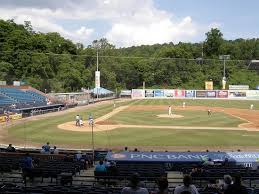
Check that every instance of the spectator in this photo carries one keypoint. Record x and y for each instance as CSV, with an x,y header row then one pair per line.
x,y
107,163
136,150
198,171
100,167
208,162
27,165
162,186
212,187
113,170
126,149
236,187
42,151
10,148
226,182
78,155
47,148
187,186
134,187
55,150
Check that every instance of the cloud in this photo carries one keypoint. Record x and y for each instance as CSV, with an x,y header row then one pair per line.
x,y
46,24
131,22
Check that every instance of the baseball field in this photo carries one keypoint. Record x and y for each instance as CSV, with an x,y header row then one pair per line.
x,y
145,124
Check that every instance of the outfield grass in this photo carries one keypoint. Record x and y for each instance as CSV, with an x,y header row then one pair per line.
x,y
191,118
40,131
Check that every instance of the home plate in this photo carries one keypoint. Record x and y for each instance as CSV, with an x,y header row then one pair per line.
x,y
173,116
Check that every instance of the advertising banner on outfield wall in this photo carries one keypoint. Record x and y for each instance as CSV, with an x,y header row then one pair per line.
x,y
138,93
179,93
169,93
236,94
238,87
211,94
222,94
252,94
200,94
149,93
159,93
189,93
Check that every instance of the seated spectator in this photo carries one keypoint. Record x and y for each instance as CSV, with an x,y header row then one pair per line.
x,y
212,187
100,167
107,163
27,165
47,148
42,151
236,187
135,150
225,183
208,162
113,170
55,150
134,187
198,171
126,149
187,186
78,156
10,148
162,186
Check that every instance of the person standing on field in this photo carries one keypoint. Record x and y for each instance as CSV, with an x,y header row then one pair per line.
x,y
209,112
77,120
169,110
251,106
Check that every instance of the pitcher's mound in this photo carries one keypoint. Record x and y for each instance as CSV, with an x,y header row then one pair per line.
x,y
173,116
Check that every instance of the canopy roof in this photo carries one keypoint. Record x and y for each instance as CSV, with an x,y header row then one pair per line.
x,y
101,91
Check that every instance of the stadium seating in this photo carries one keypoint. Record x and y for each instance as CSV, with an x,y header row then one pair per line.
x,y
68,178
5,101
21,96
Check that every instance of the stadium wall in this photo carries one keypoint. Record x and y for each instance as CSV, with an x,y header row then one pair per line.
x,y
194,94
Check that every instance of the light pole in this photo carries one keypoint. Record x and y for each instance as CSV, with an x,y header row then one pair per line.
x,y
92,123
224,79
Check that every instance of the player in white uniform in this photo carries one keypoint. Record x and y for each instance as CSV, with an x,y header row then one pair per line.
x,y
183,104
81,123
251,106
169,110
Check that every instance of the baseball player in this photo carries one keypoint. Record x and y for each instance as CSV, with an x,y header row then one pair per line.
x,y
81,123
251,106
209,112
114,104
77,120
169,110
183,104
91,120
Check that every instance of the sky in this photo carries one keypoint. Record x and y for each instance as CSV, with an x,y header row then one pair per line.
x,y
136,22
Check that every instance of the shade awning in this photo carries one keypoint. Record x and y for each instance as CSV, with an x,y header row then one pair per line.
x,y
101,91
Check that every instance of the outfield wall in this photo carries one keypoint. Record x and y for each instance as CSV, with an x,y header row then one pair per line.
x,y
194,94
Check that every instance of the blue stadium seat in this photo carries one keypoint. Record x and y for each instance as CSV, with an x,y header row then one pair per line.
x,y
16,96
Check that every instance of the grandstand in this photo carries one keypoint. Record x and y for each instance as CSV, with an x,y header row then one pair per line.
x,y
24,99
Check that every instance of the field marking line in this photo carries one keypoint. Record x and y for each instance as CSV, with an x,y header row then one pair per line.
x,y
110,114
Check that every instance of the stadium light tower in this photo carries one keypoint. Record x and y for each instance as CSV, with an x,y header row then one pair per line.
x,y
224,79
97,72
